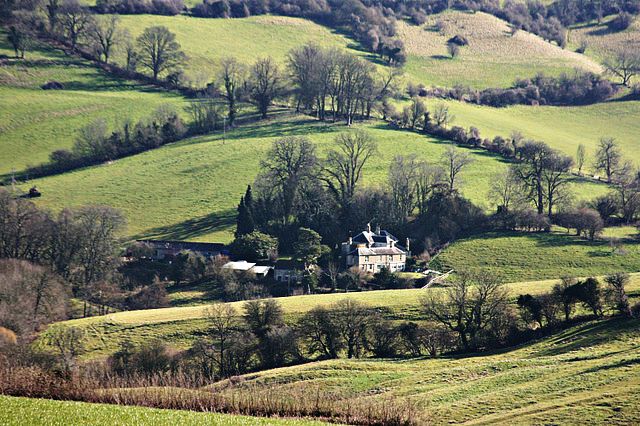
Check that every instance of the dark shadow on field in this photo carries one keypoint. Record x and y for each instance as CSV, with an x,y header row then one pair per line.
x,y
440,57
601,31
192,228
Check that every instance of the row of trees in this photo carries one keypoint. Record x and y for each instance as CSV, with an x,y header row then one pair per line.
x,y
473,312
579,88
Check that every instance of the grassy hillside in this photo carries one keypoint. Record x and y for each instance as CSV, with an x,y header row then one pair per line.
x,y
591,371
180,326
601,42
37,412
189,190
516,256
561,127
206,41
35,122
493,58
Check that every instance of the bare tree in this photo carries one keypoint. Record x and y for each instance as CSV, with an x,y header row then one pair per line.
x,y
104,33
158,50
69,343
266,84
352,322
441,115
52,10
290,162
224,323
627,189
616,294
556,180
608,157
75,20
530,171
624,64
471,305
30,295
505,190
581,155
453,161
429,178
343,166
232,76
453,49
402,181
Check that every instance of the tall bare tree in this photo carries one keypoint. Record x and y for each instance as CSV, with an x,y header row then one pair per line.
x,y
224,323
471,305
158,50
232,76
75,20
624,64
343,166
104,33
454,161
266,84
608,157
581,156
290,162
403,181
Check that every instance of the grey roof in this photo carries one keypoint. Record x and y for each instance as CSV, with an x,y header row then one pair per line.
x,y
368,237
377,251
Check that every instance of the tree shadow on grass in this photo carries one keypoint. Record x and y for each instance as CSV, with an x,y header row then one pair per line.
x,y
193,228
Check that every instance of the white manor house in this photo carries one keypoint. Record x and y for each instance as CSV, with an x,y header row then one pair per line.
x,y
372,251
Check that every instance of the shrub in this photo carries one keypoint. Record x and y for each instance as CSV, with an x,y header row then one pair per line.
x,y
621,22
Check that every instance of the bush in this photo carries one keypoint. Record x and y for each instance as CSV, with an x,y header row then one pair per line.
x,y
621,22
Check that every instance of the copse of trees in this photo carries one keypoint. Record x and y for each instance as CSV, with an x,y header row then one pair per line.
x,y
128,7
77,244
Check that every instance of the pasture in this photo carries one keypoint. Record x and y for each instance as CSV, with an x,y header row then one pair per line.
x,y
36,122
563,128
41,412
521,256
493,58
590,371
601,42
189,190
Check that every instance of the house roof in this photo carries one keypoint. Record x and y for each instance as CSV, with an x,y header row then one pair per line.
x,y
377,251
263,270
241,265
368,237
185,245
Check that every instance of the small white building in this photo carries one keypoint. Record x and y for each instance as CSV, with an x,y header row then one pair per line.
x,y
373,251
244,266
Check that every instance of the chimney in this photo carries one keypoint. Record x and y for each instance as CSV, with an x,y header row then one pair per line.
x,y
378,229
368,227
350,240
408,245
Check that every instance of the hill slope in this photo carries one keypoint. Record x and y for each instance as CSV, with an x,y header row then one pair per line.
x,y
591,371
493,57
36,412
190,189
35,122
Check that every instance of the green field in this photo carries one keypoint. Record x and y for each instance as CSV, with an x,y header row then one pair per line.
x,y
561,127
589,373
190,189
493,57
35,122
206,41
180,326
520,256
41,412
